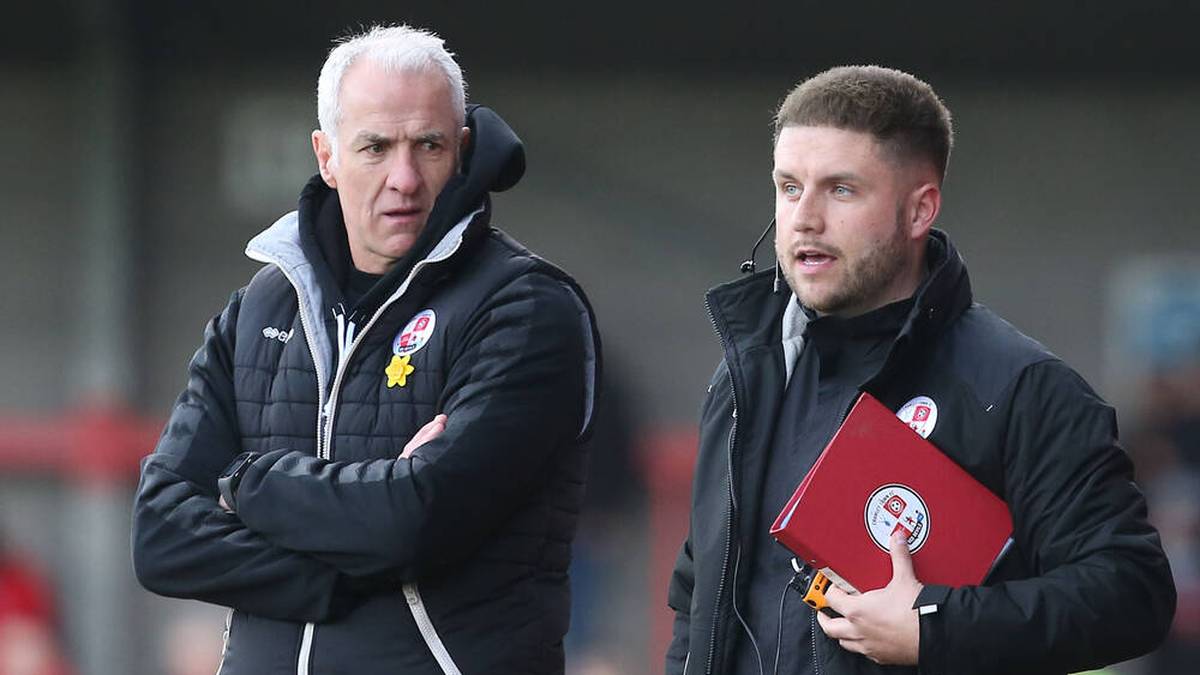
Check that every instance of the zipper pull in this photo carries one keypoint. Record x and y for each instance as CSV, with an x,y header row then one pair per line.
x,y
351,328
339,315
345,331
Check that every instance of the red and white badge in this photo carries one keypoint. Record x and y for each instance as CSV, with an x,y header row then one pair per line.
x,y
415,334
896,507
920,414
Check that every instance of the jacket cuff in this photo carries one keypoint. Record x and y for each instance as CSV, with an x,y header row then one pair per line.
x,y
932,647
931,596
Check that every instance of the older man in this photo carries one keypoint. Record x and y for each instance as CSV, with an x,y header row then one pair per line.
x,y
880,302
376,463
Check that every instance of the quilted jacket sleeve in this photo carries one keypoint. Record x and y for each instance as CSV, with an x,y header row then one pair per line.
x,y
1102,590
184,545
519,391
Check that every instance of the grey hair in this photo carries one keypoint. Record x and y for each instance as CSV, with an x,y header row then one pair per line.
x,y
398,49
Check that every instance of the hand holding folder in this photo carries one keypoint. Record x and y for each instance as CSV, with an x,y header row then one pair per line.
x,y
879,624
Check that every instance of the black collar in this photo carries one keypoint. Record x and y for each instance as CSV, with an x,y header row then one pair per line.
x,y
886,320
748,314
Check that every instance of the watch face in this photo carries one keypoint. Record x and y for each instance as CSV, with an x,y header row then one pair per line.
x,y
237,465
227,484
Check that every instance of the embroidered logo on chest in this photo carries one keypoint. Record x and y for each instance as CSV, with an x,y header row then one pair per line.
x,y
920,414
272,333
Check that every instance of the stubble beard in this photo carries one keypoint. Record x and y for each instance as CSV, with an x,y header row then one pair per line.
x,y
863,282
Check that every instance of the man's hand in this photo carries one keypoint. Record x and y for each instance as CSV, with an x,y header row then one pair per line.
x,y
881,624
427,433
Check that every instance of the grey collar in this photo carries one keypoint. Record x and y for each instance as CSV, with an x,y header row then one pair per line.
x,y
794,321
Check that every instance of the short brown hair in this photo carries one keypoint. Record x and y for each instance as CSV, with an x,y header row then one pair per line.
x,y
900,111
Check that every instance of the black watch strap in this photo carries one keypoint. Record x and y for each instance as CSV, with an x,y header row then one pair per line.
x,y
229,480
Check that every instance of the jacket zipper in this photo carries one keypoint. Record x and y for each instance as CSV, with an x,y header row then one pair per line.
x,y
348,342
812,632
812,617
225,640
305,655
712,647
306,638
345,352
428,632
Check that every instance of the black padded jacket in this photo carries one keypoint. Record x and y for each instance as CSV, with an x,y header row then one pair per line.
x,y
1086,582
341,557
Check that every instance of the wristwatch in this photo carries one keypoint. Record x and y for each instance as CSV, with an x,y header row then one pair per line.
x,y
227,483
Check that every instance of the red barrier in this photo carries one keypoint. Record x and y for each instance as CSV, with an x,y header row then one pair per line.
x,y
93,443
105,444
668,459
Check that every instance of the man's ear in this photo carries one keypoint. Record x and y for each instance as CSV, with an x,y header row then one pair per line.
x,y
464,142
924,204
323,149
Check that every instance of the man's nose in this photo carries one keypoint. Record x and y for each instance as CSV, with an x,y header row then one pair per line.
x,y
404,174
805,214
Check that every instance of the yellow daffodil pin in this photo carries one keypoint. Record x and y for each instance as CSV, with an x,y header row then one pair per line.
x,y
398,371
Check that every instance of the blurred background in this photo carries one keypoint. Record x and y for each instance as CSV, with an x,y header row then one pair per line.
x,y
143,143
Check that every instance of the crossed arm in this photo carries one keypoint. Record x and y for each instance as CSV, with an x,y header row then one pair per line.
x,y
184,545
430,431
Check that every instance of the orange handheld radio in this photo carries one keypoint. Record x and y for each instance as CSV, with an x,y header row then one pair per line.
x,y
814,588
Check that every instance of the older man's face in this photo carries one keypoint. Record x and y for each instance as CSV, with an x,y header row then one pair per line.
x,y
398,144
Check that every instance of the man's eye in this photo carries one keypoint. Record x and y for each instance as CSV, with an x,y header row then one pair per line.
x,y
842,191
375,148
431,145
791,190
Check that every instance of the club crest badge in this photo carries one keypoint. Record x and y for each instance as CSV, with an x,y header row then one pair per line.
x,y
920,414
415,334
896,507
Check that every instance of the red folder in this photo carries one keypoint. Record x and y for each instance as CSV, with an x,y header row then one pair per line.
x,y
878,475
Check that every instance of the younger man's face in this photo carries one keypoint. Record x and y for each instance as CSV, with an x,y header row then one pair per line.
x,y
844,237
